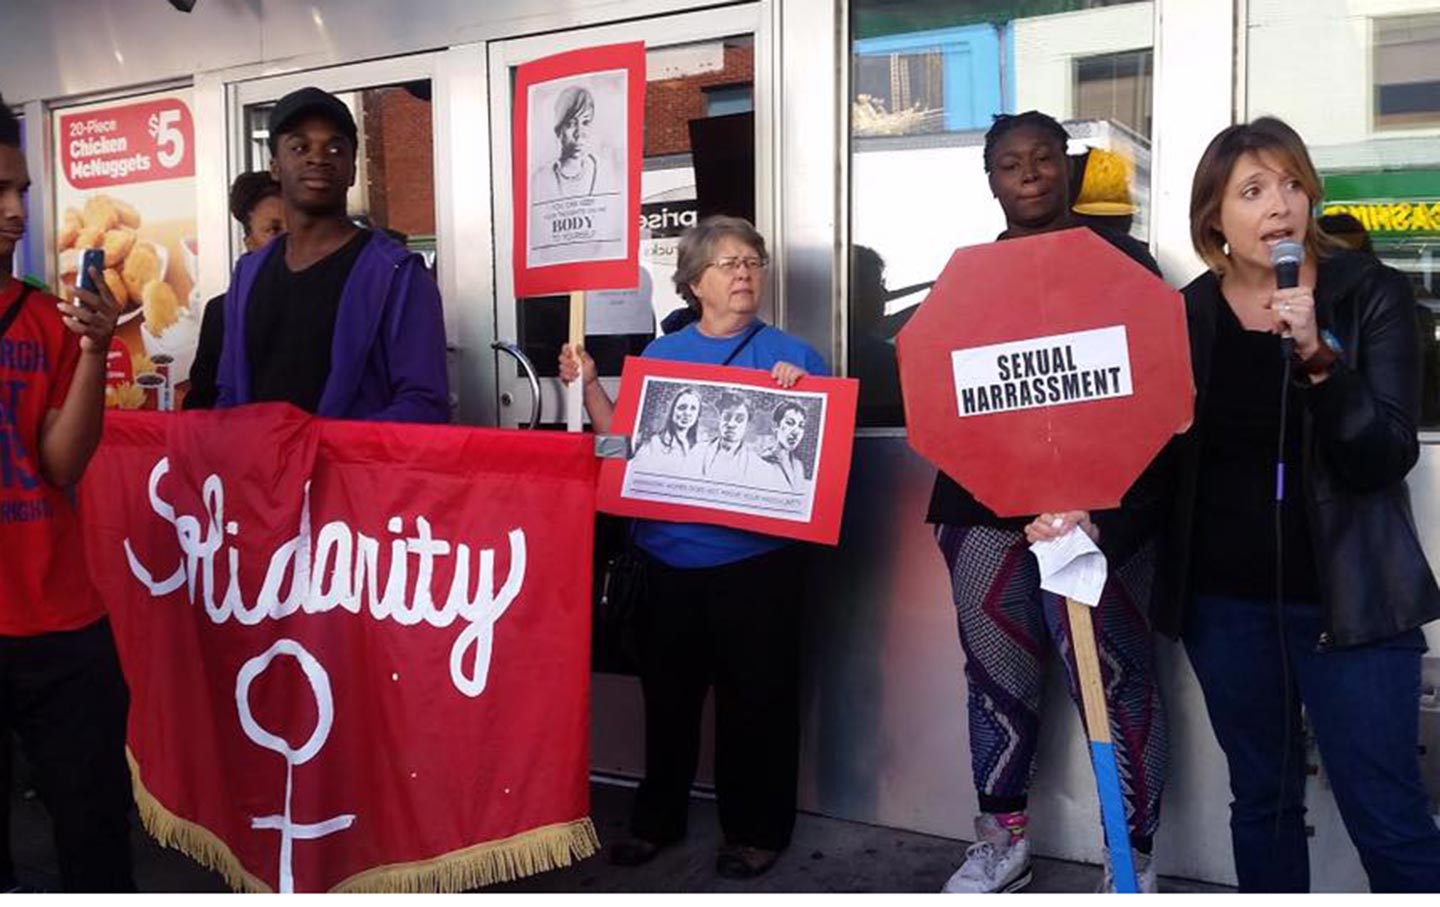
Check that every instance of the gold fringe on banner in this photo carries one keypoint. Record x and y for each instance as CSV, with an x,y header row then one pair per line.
x,y
530,852
195,841
525,854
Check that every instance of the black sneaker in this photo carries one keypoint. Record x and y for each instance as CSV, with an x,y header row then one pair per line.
x,y
744,862
633,852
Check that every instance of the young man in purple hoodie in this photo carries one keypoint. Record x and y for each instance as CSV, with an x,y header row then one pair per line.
x,y
342,322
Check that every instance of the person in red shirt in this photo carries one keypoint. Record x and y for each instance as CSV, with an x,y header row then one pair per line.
x,y
61,690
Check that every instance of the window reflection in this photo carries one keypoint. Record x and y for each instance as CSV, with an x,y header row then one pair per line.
x,y
1362,86
926,80
1407,71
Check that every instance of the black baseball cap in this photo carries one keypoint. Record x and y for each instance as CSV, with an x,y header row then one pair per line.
x,y
310,101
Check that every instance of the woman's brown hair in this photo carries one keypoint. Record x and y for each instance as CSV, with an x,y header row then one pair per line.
x,y
1267,134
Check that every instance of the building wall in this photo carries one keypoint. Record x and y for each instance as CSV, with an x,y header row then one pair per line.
x,y
400,155
1046,48
1311,63
670,104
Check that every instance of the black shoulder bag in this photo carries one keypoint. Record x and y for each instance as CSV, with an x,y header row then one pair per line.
x,y
14,311
622,590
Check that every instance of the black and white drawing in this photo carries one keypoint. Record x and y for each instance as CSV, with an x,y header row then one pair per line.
x,y
728,446
575,155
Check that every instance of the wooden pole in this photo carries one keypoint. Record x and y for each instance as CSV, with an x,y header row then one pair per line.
x,y
575,394
1102,749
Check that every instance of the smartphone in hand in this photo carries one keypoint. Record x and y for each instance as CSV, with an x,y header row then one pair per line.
x,y
90,258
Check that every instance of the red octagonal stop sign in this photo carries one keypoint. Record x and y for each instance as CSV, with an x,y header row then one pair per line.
x,y
1045,373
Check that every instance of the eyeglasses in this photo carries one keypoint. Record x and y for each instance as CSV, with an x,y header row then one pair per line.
x,y
731,265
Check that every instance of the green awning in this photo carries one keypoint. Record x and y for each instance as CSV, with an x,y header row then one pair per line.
x,y
1390,203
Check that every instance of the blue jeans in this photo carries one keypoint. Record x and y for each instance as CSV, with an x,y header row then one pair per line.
x,y
1363,704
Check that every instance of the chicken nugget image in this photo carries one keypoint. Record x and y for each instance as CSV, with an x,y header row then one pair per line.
x,y
70,231
129,214
141,266
90,238
116,283
160,305
117,244
101,213
67,263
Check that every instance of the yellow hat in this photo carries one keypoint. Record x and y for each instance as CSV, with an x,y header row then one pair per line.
x,y
1105,190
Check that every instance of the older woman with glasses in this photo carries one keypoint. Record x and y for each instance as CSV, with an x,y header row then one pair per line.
x,y
722,604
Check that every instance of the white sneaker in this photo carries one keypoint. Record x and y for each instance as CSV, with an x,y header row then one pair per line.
x,y
1144,874
995,863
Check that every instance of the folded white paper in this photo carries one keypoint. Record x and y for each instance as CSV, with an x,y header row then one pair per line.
x,y
1072,566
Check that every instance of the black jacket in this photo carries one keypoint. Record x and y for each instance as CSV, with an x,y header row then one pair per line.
x,y
205,369
1359,442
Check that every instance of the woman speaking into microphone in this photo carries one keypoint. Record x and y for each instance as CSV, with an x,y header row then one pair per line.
x,y
1296,576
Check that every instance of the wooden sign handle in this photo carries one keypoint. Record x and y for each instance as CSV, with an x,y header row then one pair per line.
x,y
1087,663
575,394
1102,749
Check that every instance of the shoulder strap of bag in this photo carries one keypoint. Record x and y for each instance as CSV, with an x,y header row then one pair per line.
x,y
14,311
755,329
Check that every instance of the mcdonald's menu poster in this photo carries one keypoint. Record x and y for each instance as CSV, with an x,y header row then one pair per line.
x,y
577,149
126,185
1058,370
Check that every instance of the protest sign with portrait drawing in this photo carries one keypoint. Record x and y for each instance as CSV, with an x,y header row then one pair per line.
x,y
728,446
578,136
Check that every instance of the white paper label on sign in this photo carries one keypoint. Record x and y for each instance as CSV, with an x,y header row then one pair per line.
x,y
1042,371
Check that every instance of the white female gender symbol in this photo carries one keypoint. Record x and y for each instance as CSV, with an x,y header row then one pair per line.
x,y
325,706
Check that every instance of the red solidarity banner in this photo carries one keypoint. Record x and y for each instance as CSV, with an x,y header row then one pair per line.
x,y
358,653
133,143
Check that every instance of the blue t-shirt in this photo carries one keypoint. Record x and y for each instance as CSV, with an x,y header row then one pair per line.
x,y
691,545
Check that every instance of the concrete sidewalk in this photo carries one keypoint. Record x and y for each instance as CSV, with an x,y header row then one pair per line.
x,y
827,855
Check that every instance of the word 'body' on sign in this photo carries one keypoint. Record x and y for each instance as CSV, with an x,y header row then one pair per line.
x,y
1042,371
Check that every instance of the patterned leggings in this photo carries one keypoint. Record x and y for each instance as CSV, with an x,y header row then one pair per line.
x,y
1005,620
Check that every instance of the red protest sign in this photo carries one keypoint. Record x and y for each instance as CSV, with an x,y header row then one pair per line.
x,y
728,446
1045,373
578,143
127,143
357,653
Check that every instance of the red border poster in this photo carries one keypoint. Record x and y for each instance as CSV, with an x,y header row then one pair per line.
x,y
577,145
124,177
728,446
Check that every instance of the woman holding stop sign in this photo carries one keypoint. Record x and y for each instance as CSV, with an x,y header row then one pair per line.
x,y
1307,585
1008,625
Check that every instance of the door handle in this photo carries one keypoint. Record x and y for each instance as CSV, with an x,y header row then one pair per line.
x,y
504,346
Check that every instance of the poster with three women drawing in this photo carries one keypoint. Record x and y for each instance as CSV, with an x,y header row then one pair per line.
x,y
718,445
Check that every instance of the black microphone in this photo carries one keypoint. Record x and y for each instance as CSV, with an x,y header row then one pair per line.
x,y
1286,257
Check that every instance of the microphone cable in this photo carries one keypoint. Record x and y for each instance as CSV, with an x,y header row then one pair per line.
x,y
1287,346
